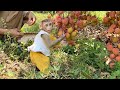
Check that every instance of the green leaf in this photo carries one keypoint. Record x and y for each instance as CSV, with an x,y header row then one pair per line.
x,y
1,66
10,73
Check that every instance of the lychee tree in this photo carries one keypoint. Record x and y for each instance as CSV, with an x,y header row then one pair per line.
x,y
71,22
112,20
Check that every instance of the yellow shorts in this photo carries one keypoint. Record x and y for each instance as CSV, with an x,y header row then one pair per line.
x,y
41,61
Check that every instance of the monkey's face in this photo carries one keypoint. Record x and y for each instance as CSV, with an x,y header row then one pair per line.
x,y
47,26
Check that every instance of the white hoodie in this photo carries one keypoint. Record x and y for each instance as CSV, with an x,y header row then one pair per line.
x,y
39,45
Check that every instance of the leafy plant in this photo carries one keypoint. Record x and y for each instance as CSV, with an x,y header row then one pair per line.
x,y
15,50
92,52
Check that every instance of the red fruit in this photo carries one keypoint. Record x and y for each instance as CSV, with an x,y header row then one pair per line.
x,y
94,19
118,58
113,26
111,30
71,21
88,18
117,31
84,22
109,47
112,14
77,13
84,17
108,43
58,24
65,21
80,23
59,20
67,35
119,22
63,26
106,20
112,56
115,51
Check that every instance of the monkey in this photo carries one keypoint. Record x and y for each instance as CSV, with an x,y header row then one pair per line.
x,y
40,50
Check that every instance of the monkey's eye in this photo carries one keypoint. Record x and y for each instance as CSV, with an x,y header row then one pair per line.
x,y
50,24
46,25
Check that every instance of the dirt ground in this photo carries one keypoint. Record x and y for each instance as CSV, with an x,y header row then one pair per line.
x,y
11,69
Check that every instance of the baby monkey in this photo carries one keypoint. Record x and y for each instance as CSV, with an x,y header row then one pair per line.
x,y
40,49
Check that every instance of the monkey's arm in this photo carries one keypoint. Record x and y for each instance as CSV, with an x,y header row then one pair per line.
x,y
50,43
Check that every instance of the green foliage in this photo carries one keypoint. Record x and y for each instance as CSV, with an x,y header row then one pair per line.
x,y
115,74
15,50
69,49
92,52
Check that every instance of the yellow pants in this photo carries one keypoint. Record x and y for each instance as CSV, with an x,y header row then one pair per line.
x,y
41,61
